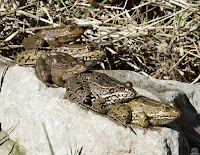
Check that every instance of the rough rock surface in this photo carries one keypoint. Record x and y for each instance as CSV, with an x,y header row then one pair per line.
x,y
26,103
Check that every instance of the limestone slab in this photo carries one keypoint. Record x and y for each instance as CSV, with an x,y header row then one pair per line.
x,y
26,104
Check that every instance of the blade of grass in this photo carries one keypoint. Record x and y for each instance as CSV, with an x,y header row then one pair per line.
x,y
50,146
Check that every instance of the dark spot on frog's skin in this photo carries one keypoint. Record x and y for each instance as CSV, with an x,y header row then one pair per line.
x,y
118,95
97,95
122,88
70,95
144,101
68,89
140,105
80,88
124,116
97,77
78,82
111,90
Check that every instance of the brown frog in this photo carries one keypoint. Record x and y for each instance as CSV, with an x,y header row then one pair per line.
x,y
98,91
90,53
58,67
59,36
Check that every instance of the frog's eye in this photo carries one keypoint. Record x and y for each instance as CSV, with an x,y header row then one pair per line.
x,y
70,26
166,107
73,63
129,85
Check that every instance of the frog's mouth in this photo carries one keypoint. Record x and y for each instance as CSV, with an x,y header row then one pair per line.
x,y
69,39
161,120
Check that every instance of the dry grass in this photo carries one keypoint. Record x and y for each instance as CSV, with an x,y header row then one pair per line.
x,y
153,37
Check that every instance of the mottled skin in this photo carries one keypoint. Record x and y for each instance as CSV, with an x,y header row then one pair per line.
x,y
121,113
58,68
98,90
90,53
59,36
144,112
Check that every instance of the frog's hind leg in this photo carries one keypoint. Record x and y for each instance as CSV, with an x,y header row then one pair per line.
x,y
42,71
77,92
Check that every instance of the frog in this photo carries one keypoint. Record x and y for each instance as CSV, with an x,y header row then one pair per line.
x,y
59,36
144,112
56,68
90,53
98,91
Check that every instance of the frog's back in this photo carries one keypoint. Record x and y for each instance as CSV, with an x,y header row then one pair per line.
x,y
103,86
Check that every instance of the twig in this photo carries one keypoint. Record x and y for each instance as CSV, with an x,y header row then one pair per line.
x,y
21,8
196,80
2,77
35,17
178,61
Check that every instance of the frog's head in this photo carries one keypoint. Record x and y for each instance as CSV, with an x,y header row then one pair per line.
x,y
165,114
74,68
72,32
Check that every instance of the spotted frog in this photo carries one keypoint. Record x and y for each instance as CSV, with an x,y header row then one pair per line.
x,y
98,91
59,36
58,67
90,53
144,112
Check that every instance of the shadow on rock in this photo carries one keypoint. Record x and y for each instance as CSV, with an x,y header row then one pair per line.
x,y
189,123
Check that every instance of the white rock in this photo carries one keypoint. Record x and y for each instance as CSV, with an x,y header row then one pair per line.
x,y
27,103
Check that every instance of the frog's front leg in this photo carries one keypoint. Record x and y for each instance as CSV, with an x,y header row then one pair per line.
x,y
142,120
42,70
58,81
53,41
99,105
